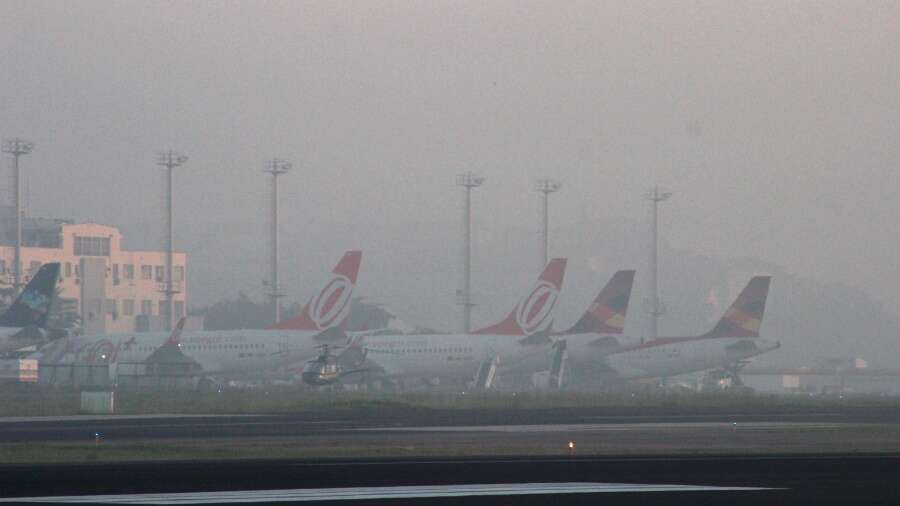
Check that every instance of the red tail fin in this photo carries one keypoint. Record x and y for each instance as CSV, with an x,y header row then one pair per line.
x,y
744,317
607,313
330,307
175,337
534,313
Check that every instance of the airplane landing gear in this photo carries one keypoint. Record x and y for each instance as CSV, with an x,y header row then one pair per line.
x,y
726,378
487,372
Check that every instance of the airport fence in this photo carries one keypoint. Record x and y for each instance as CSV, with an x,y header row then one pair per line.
x,y
124,375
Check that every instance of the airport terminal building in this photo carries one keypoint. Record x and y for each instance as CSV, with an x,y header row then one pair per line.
x,y
110,289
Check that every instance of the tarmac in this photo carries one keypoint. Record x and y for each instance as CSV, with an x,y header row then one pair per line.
x,y
527,457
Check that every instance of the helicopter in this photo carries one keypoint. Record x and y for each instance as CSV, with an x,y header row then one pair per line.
x,y
329,368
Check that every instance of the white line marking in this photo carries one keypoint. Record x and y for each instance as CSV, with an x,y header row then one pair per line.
x,y
367,493
610,427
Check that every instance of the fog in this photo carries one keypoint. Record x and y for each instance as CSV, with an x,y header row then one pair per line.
x,y
774,124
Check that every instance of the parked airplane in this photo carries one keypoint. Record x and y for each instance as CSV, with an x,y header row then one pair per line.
x,y
581,343
232,353
516,341
733,340
590,337
23,324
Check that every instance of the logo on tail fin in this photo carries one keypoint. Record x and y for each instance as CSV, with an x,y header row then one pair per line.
x,y
744,317
607,312
32,306
331,306
36,302
332,303
533,313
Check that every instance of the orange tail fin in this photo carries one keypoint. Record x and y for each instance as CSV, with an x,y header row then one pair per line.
x,y
744,317
607,313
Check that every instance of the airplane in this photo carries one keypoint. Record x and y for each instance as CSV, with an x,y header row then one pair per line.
x,y
727,346
24,322
579,344
232,353
589,337
575,346
518,341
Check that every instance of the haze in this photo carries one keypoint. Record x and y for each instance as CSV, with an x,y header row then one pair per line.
x,y
776,125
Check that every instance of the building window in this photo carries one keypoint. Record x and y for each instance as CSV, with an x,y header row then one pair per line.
x,y
147,307
92,246
68,269
178,273
179,308
159,273
162,308
128,271
112,308
128,307
115,270
146,272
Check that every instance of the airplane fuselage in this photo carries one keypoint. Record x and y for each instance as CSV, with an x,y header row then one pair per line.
x,y
225,353
459,356
453,355
664,357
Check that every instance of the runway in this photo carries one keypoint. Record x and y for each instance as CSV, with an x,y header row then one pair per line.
x,y
826,458
324,423
313,435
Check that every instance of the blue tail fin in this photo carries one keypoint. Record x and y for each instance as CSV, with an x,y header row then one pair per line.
x,y
32,306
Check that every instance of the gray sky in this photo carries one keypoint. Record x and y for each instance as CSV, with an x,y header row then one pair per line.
x,y
776,124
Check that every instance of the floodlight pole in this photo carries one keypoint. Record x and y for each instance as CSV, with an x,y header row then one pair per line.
x,y
169,159
546,187
275,167
657,309
17,147
467,180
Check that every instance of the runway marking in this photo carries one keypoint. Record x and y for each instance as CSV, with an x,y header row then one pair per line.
x,y
612,427
369,493
95,418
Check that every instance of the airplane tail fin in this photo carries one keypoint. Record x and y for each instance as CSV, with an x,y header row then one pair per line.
x,y
606,315
330,307
744,317
175,337
32,306
534,313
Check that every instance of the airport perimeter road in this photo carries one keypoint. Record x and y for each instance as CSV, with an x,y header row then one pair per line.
x,y
781,479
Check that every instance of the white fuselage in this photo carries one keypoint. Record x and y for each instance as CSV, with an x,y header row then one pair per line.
x,y
664,358
226,353
459,356
455,356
